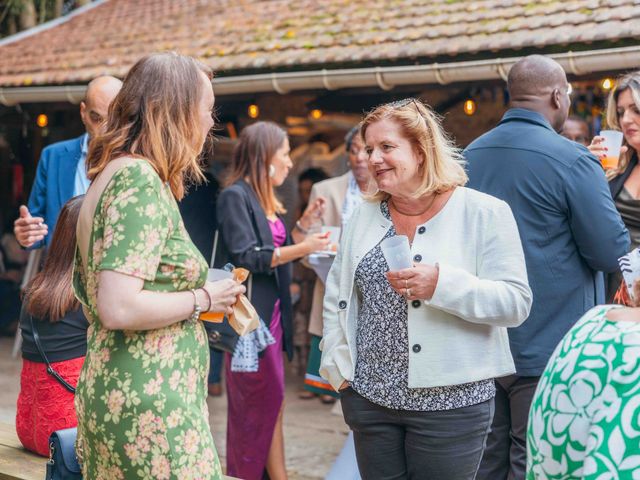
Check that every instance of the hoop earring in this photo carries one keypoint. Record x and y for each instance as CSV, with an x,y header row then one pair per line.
x,y
272,171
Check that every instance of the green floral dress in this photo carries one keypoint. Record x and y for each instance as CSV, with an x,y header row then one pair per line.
x,y
141,398
584,421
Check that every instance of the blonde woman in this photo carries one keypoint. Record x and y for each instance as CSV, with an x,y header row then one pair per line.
x,y
623,113
414,351
141,397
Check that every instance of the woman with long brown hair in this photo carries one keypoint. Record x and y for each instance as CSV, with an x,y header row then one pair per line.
x,y
141,398
52,312
254,237
623,114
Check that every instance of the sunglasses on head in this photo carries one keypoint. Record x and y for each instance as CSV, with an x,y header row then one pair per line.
x,y
403,103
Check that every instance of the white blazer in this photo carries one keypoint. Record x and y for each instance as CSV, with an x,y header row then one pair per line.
x,y
482,289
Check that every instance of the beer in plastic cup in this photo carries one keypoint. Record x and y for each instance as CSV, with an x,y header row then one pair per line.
x,y
397,252
613,142
214,275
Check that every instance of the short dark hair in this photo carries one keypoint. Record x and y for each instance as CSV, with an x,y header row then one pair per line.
x,y
314,175
348,138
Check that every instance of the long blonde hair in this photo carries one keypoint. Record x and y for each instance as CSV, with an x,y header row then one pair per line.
x,y
155,116
257,144
631,82
443,166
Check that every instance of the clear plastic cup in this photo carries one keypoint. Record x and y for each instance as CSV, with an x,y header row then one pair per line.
x,y
613,142
397,252
334,237
214,275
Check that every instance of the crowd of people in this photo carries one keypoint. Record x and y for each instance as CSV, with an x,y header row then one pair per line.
x,y
492,355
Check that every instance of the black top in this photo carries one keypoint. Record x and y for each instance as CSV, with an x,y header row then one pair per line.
x,y
246,241
616,184
198,210
65,339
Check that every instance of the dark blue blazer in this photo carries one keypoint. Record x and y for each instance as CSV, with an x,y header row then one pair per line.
x,y
55,179
568,223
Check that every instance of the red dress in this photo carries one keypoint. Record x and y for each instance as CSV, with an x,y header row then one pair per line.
x,y
44,405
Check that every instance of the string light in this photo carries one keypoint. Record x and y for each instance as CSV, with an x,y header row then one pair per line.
x,y
469,107
607,84
316,113
253,111
42,120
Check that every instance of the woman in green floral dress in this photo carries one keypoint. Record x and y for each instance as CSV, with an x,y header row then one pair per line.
x,y
584,421
141,397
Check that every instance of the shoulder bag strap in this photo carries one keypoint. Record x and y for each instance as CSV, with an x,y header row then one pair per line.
x,y
50,369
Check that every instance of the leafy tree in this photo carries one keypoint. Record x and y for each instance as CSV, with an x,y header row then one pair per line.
x,y
18,15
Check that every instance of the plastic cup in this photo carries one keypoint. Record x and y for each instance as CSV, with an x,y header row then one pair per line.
x,y
334,237
214,275
397,252
613,142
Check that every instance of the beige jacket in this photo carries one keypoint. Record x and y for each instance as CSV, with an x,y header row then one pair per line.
x,y
334,191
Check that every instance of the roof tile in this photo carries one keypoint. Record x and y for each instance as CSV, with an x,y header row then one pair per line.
x,y
267,35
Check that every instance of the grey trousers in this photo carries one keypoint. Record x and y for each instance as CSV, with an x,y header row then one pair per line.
x,y
505,457
402,444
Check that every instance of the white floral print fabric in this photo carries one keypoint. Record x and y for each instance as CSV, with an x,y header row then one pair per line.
x,y
584,421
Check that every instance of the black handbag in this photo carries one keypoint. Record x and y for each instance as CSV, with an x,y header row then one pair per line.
x,y
63,462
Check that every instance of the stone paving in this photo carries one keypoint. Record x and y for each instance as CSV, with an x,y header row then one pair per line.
x,y
313,434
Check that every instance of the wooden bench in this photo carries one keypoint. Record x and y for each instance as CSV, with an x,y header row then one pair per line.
x,y
16,463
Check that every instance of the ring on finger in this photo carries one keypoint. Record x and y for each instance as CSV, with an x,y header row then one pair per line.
x,y
407,292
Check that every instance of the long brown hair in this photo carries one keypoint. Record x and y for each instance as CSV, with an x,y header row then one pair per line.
x,y
631,82
50,293
252,156
155,116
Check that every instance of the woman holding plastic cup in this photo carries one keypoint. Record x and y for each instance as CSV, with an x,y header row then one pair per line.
x,y
414,351
253,235
623,115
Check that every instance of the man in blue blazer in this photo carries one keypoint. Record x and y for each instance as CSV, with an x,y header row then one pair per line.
x,y
570,232
62,172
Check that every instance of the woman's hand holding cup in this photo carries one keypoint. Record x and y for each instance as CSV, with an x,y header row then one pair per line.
x,y
317,242
600,149
224,294
415,283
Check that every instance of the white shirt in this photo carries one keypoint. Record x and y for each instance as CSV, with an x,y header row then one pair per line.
x,y
81,181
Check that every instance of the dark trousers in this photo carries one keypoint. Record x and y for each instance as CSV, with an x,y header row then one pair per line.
x,y
402,444
216,360
505,457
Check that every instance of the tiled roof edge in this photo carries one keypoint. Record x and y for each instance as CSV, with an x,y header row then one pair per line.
x,y
50,24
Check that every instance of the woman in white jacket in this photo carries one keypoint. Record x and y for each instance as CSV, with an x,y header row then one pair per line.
x,y
414,352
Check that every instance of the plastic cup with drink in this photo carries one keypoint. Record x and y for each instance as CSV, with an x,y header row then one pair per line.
x,y
397,252
214,275
613,143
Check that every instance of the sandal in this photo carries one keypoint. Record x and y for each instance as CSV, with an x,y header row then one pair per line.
x,y
306,395
327,399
